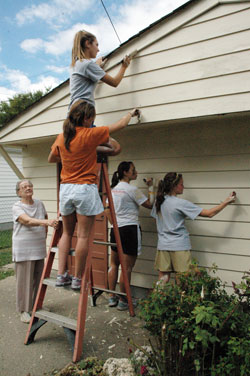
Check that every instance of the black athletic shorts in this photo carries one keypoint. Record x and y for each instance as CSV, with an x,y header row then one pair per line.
x,y
129,239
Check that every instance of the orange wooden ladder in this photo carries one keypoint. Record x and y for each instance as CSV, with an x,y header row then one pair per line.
x,y
74,329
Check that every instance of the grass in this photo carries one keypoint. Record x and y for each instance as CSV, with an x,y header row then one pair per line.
x,y
5,257
6,273
5,239
5,253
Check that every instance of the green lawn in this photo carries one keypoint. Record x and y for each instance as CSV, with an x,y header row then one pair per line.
x,y
6,273
5,253
5,256
5,239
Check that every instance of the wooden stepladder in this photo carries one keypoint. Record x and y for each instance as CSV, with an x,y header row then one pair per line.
x,y
74,329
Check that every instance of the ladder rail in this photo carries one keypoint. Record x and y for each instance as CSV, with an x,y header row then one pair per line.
x,y
87,288
43,287
118,239
83,301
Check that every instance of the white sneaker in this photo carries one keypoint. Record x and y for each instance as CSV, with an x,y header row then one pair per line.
x,y
25,317
76,283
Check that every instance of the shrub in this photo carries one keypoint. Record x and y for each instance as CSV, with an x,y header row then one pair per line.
x,y
198,328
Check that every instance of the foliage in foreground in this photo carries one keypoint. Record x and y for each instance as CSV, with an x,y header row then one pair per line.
x,y
90,366
199,329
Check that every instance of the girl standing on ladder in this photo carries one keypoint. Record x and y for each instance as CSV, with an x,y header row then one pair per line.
x,y
85,75
75,148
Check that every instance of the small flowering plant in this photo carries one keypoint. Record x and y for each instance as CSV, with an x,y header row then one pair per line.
x,y
197,327
141,360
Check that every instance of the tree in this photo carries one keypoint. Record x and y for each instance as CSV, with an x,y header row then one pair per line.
x,y
17,104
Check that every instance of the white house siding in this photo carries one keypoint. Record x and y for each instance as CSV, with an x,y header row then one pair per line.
x,y
8,185
200,69
214,158
43,176
194,63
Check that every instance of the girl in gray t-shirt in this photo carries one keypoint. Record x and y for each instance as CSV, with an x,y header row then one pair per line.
x,y
85,73
173,248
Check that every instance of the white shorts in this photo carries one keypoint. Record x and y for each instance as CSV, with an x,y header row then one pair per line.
x,y
81,198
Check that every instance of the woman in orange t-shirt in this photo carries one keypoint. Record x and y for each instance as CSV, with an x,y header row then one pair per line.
x,y
75,148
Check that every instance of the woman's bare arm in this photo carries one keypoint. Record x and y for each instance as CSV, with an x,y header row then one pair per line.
x,y
218,208
114,81
111,148
26,220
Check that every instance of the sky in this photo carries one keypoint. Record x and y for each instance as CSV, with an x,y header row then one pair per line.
x,y
36,36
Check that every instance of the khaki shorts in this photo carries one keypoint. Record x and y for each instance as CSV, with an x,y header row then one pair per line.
x,y
167,261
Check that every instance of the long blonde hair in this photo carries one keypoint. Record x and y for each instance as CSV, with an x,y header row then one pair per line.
x,y
79,45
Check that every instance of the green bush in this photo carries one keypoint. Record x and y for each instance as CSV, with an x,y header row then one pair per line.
x,y
198,328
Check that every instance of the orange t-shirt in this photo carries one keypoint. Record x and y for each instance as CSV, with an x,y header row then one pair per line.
x,y
79,164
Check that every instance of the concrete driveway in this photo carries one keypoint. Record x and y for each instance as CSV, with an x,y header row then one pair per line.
x,y
106,333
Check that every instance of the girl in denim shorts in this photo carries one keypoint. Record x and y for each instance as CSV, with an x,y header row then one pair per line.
x,y
76,148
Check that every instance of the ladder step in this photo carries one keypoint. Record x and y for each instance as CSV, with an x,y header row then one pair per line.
x,y
71,252
52,283
109,291
56,319
49,282
104,243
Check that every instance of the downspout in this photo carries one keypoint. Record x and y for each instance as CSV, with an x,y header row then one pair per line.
x,y
10,162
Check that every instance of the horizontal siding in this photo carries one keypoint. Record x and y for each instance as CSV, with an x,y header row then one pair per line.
x,y
181,92
210,29
218,226
211,166
222,262
8,184
202,87
221,11
211,169
200,69
43,176
8,177
221,245
153,73
202,107
36,132
187,139
204,163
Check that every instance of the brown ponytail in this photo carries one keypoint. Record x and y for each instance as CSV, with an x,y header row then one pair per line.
x,y
165,186
79,111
